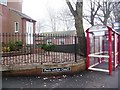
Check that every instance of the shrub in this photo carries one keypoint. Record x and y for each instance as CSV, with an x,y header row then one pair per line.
x,y
18,45
47,47
6,49
12,46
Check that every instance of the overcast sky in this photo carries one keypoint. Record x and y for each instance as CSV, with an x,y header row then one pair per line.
x,y
37,9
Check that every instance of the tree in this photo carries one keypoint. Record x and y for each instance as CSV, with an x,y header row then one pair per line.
x,y
52,19
94,8
66,19
41,25
78,16
106,9
116,11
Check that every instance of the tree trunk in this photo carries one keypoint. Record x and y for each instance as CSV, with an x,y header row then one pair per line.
x,y
78,16
105,21
81,36
92,20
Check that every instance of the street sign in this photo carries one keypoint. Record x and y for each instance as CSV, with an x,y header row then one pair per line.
x,y
57,69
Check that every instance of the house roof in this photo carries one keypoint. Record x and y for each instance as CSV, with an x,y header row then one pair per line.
x,y
70,32
23,15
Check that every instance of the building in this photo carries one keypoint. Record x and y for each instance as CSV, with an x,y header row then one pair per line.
x,y
57,38
13,20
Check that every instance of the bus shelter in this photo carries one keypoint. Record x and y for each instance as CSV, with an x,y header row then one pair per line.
x,y
103,48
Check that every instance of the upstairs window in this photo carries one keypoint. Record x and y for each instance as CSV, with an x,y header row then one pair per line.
x,y
4,2
16,26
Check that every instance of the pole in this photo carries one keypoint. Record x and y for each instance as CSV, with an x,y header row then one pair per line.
x,y
110,50
88,49
119,49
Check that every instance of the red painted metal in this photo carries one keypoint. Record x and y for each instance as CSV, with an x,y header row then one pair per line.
x,y
110,50
119,49
114,50
97,41
88,50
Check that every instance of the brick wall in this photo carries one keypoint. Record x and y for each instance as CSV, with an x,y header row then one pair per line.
x,y
5,18
37,70
14,17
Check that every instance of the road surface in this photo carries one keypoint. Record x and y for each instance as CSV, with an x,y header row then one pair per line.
x,y
85,79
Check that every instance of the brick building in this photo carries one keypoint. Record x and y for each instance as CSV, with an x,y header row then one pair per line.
x,y
13,20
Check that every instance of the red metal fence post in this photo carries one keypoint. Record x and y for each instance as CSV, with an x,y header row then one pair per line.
x,y
87,49
114,38
119,49
110,50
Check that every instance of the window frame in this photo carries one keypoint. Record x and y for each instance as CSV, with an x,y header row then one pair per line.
x,y
16,27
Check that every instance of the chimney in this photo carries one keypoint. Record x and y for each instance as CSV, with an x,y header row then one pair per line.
x,y
15,4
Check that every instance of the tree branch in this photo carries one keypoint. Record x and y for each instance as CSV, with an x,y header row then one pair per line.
x,y
71,8
97,9
85,17
100,19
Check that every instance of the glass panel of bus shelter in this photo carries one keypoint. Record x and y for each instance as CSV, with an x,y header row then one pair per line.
x,y
99,46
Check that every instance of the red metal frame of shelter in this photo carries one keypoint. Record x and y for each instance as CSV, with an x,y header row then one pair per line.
x,y
113,57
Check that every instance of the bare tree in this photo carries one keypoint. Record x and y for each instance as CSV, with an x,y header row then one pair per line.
x,y
105,11
52,19
40,26
66,19
116,11
94,8
61,19
78,16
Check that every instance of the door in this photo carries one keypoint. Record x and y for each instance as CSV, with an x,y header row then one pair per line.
x,y
29,31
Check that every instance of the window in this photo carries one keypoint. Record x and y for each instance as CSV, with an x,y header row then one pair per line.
x,y
16,26
4,2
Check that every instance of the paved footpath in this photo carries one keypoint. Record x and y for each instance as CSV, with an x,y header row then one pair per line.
x,y
85,79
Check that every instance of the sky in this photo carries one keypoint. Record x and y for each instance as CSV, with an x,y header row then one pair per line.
x,y
39,8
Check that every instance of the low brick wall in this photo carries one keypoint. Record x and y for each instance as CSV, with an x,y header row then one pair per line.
x,y
36,69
